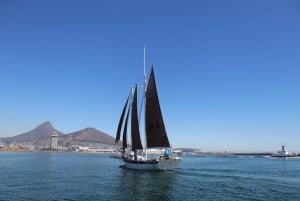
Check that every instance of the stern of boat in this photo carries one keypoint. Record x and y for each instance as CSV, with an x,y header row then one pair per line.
x,y
169,163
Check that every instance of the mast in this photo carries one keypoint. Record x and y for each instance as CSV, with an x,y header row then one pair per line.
x,y
145,78
145,83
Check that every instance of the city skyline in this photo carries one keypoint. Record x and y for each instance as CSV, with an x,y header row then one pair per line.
x,y
227,73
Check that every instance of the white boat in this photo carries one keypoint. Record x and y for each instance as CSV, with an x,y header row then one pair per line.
x,y
152,164
284,153
139,157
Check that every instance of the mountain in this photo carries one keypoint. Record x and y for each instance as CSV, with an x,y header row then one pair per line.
x,y
40,137
41,132
87,135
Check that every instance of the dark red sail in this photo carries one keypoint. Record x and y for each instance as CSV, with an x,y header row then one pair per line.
x,y
121,123
156,134
125,131
135,131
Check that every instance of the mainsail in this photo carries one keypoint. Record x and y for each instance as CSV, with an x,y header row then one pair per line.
x,y
135,132
156,134
125,131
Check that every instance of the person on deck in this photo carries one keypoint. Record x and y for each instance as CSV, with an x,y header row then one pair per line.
x,y
167,153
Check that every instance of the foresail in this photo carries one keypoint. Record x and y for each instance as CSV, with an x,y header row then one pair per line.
x,y
121,123
135,131
156,134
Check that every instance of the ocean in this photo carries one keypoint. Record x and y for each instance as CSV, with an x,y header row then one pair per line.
x,y
82,176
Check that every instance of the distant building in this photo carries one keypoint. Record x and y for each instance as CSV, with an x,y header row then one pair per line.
x,y
54,140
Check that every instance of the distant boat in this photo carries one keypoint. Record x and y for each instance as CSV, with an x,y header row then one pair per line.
x,y
157,153
284,153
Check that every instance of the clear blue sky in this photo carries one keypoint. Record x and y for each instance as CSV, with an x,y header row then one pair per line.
x,y
228,72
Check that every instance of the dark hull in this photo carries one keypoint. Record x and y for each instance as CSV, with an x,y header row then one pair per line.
x,y
289,156
153,164
140,162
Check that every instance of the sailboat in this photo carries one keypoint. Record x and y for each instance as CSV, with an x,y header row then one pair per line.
x,y
157,153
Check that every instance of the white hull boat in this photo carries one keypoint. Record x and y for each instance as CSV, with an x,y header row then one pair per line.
x,y
153,164
155,133
283,153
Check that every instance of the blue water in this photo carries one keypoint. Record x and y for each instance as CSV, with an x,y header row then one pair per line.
x,y
74,176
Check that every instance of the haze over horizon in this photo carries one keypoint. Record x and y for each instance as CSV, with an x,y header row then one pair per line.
x,y
227,72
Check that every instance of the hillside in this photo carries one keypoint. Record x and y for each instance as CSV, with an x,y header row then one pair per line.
x,y
87,135
41,132
40,137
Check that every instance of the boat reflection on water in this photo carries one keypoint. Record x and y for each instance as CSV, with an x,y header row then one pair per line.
x,y
144,185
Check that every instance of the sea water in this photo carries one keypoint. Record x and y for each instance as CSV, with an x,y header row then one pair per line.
x,y
81,176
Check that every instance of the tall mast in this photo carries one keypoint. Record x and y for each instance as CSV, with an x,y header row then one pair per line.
x,y
145,83
145,78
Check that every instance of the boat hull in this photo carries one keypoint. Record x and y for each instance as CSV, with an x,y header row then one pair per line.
x,y
286,156
158,165
283,153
